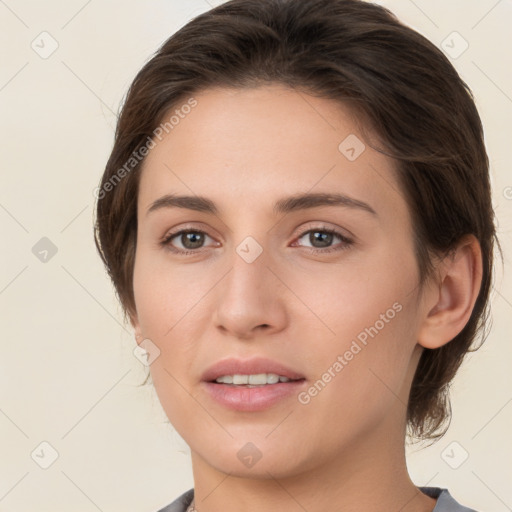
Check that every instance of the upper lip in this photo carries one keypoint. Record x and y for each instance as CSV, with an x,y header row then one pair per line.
x,y
248,367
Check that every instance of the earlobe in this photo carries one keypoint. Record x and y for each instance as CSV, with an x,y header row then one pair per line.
x,y
460,277
134,321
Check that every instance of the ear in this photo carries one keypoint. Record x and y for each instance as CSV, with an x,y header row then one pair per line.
x,y
134,321
449,304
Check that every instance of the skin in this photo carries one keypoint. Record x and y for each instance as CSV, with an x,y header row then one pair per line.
x,y
344,450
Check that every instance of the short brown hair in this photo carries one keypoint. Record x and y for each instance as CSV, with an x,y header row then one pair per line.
x,y
349,51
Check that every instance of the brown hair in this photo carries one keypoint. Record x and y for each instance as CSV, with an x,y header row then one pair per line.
x,y
356,53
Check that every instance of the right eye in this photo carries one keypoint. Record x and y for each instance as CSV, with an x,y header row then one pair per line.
x,y
190,240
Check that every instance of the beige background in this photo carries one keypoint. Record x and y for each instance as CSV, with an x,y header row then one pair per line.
x,y
68,375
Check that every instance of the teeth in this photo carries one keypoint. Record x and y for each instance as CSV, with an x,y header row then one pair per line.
x,y
226,379
240,379
259,379
272,378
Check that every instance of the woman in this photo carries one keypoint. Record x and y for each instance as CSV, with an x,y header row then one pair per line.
x,y
297,218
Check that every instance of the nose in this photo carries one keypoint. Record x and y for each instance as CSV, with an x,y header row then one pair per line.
x,y
250,299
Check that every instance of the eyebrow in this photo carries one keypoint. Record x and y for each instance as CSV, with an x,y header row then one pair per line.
x,y
284,205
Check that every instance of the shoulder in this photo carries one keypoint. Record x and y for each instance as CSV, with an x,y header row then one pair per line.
x,y
181,503
445,501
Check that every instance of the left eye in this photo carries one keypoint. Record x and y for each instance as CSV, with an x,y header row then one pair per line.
x,y
323,238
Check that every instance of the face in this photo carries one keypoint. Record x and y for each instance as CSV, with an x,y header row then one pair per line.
x,y
292,257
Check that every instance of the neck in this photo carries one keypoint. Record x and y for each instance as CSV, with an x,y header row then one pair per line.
x,y
370,475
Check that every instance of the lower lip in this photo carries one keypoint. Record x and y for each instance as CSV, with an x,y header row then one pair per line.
x,y
241,398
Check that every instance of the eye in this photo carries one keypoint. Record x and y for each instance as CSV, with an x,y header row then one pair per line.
x,y
321,240
190,240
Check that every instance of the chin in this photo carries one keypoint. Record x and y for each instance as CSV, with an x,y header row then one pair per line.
x,y
258,460
261,470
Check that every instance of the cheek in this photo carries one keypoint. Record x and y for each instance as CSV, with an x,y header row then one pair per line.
x,y
368,309
167,297
362,292
172,309
360,381
170,312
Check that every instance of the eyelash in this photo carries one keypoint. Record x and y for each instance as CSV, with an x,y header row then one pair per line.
x,y
314,250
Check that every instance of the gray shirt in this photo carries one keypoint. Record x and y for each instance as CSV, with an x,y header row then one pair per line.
x,y
445,502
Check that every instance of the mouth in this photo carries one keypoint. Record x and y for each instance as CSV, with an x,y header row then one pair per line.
x,y
254,380
256,371
251,385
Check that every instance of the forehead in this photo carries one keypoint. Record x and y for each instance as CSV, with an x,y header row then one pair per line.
x,y
244,145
